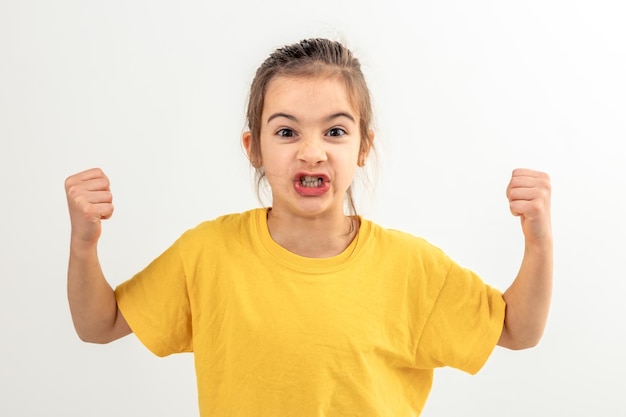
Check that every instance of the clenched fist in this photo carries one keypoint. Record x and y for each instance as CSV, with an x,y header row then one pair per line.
x,y
89,201
529,198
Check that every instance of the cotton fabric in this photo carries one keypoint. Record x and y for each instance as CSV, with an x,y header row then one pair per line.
x,y
277,334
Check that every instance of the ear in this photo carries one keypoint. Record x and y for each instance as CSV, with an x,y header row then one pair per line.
x,y
246,140
366,148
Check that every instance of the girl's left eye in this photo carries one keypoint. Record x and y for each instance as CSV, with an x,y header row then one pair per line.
x,y
336,131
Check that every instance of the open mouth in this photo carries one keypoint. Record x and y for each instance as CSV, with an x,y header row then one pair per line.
x,y
311,182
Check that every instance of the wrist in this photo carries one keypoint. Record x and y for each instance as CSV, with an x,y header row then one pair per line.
x,y
539,248
81,248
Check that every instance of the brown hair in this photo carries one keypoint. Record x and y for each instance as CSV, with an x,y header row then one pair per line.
x,y
307,58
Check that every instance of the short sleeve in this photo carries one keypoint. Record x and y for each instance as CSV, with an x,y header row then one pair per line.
x,y
464,325
155,303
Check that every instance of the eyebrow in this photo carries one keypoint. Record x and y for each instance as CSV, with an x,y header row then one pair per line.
x,y
295,119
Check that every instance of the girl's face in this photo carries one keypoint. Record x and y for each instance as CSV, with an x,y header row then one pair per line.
x,y
310,143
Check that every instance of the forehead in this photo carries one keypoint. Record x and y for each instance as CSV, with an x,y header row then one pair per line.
x,y
308,94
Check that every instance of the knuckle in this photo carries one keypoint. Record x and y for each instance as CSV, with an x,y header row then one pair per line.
x,y
69,182
72,191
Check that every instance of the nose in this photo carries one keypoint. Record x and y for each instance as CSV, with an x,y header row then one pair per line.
x,y
312,151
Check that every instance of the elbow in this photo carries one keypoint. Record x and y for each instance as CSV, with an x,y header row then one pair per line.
x,y
517,341
523,344
92,337
102,332
86,338
93,340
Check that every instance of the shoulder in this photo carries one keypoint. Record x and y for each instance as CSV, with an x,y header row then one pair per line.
x,y
397,238
218,229
405,247
225,222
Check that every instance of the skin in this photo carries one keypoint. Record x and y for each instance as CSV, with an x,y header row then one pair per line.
x,y
528,297
92,301
309,127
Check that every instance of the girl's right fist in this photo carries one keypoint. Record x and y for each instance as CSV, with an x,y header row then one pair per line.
x,y
89,200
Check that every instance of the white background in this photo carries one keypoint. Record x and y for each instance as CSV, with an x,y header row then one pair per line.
x,y
154,93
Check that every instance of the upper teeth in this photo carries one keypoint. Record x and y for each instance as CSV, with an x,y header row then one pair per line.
x,y
309,181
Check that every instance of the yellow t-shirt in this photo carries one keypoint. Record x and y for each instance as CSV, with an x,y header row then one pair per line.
x,y
276,334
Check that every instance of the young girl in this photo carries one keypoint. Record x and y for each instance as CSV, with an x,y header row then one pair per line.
x,y
298,308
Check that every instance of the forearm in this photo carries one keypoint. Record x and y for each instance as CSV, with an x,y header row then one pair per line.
x,y
91,298
528,298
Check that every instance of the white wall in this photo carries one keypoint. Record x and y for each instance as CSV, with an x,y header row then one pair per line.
x,y
154,93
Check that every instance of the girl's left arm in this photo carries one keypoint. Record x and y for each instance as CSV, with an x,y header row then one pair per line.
x,y
528,297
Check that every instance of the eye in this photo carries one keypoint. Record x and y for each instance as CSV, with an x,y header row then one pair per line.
x,y
286,133
336,131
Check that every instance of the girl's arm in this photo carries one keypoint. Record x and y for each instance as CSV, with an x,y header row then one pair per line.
x,y
528,297
92,300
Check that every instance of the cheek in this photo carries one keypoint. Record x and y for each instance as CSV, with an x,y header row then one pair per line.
x,y
351,158
276,168
349,166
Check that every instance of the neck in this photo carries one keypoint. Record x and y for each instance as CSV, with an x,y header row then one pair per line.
x,y
318,237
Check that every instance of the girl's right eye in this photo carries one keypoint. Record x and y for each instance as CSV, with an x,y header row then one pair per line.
x,y
286,133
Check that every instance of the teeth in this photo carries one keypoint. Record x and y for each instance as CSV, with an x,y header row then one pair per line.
x,y
308,181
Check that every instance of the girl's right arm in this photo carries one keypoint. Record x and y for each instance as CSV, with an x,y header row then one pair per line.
x,y
92,300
